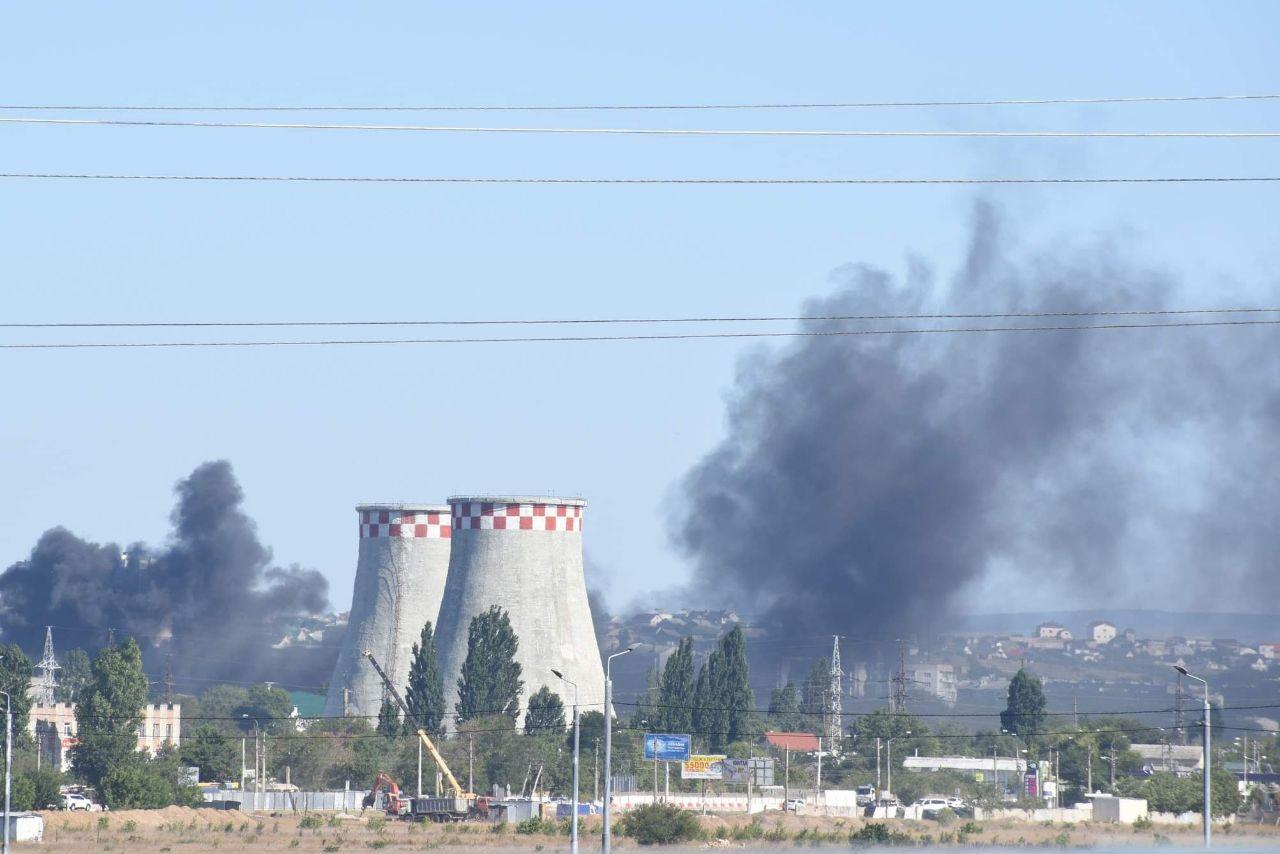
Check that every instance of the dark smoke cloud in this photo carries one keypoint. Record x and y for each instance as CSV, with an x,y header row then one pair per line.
x,y
866,484
212,599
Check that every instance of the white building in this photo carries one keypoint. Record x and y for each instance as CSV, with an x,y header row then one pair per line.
x,y
938,679
1102,632
1053,631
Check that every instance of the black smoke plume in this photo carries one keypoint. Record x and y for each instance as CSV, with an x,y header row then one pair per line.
x,y
868,483
212,598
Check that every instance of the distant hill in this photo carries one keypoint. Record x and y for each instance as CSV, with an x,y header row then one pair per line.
x,y
1248,628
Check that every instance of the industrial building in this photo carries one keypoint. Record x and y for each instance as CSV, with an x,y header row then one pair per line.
x,y
400,578
523,554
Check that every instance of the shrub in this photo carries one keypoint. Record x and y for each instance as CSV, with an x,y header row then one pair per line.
x,y
534,825
945,816
754,830
970,827
877,833
1141,823
311,821
661,824
377,825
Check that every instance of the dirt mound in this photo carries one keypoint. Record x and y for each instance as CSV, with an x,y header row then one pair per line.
x,y
142,819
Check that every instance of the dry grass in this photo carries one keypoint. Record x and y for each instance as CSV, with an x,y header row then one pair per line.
x,y
186,831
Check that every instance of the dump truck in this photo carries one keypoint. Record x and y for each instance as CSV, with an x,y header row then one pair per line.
x,y
459,805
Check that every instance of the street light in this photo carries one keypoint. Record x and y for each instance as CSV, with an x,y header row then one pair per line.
x,y
8,762
1208,815
573,817
608,743
889,758
257,778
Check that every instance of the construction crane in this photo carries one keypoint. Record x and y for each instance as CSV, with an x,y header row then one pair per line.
x,y
422,733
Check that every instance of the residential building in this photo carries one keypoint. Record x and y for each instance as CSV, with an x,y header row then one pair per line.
x,y
1054,631
55,729
938,679
1102,632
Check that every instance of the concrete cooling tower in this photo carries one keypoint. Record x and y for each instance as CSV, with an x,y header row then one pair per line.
x,y
524,555
400,576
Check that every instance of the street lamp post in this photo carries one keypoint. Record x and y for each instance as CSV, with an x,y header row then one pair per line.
x,y
8,762
573,815
608,744
257,778
889,759
1208,814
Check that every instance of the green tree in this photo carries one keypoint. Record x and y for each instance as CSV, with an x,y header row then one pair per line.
x,y
1024,710
784,708
647,711
815,696
15,680
109,713
213,751
590,730
74,675
389,725
545,714
735,690
45,787
425,694
675,697
490,682
710,716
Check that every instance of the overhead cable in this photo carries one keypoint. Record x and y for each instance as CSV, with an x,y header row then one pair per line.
x,y
777,105
1005,134
121,345
373,179
144,324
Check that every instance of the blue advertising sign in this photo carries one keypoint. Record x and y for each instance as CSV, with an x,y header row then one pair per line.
x,y
664,747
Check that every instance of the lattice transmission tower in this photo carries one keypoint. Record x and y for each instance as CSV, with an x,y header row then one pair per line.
x,y
835,711
48,668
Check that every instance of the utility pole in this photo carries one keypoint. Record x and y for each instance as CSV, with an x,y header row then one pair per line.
x,y
471,760
898,696
1179,716
8,762
877,765
168,679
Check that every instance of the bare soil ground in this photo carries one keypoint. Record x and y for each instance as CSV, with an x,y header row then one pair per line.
x,y
186,831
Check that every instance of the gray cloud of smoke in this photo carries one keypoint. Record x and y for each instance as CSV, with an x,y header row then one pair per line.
x,y
212,598
865,484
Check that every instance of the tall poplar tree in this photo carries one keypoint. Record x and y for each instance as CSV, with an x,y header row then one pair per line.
x,y
675,698
490,683
735,691
1024,709
425,694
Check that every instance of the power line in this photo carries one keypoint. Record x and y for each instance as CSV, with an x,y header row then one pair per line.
x,y
372,179
122,345
621,320
783,105
942,134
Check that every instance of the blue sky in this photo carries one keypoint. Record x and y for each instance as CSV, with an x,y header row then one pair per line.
x,y
95,440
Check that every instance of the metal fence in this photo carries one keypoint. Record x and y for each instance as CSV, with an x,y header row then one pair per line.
x,y
335,801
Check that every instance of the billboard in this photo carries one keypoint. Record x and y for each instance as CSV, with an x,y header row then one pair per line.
x,y
703,767
759,770
666,747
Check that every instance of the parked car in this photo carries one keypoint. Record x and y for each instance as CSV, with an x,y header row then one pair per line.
x,y
931,805
957,803
793,804
865,795
72,801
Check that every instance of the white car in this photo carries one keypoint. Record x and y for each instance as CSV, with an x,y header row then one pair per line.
x,y
957,803
930,805
72,801
794,804
865,795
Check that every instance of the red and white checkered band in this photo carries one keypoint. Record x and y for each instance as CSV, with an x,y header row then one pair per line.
x,y
406,524
490,516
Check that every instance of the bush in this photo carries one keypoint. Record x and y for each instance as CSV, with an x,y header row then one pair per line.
x,y
311,821
135,787
661,824
1141,823
754,830
945,816
535,825
879,834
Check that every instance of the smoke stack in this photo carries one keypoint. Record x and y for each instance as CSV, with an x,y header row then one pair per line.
x,y
524,555
400,577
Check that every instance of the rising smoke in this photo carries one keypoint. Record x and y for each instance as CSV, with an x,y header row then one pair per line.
x,y
212,599
868,484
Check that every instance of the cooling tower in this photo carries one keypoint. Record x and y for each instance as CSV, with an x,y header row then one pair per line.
x,y
524,555
400,575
